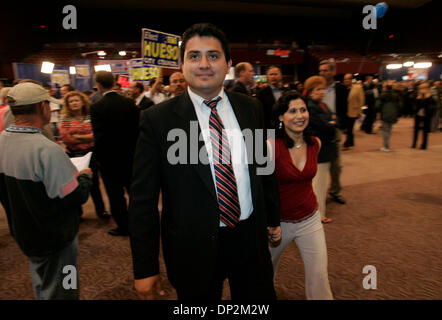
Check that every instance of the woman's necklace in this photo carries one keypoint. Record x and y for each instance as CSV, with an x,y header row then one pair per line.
x,y
298,146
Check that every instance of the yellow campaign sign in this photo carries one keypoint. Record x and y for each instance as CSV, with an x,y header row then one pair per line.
x,y
141,72
160,49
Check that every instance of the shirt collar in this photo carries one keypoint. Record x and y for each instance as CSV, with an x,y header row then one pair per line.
x,y
140,97
108,92
23,129
332,86
199,101
275,88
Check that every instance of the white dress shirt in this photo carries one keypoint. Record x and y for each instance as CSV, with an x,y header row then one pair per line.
x,y
157,98
330,97
237,145
138,100
277,92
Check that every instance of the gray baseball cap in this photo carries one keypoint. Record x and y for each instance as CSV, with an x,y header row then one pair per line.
x,y
28,93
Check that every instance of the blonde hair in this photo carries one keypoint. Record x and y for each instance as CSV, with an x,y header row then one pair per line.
x,y
67,111
313,82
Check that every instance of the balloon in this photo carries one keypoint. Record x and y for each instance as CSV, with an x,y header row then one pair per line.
x,y
381,9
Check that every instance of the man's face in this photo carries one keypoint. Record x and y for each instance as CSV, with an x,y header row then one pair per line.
x,y
347,80
205,66
177,83
326,71
248,74
368,80
275,77
134,92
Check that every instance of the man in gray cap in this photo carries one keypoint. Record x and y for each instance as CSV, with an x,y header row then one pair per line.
x,y
41,192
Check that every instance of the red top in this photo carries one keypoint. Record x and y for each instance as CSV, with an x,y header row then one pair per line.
x,y
69,126
296,196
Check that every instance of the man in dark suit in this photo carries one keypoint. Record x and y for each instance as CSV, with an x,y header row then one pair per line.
x,y
244,74
336,97
115,124
217,214
177,84
371,94
136,92
271,93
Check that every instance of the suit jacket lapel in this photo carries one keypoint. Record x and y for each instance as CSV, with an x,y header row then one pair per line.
x,y
240,112
185,109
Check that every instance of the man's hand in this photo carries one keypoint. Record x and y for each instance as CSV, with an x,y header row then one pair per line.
x,y
147,287
274,234
87,171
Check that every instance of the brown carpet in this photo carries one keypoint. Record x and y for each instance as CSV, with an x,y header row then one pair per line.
x,y
393,221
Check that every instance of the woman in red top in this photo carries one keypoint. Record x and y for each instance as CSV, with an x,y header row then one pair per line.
x,y
76,133
296,163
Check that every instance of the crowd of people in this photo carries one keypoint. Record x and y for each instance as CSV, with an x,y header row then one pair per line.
x,y
219,220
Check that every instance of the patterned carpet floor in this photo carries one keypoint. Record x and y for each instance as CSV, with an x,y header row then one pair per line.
x,y
392,221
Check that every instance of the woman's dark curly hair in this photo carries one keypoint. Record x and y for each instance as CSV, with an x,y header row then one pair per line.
x,y
281,107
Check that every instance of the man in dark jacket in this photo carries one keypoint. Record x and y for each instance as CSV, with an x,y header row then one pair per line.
x,y
389,105
244,74
336,97
215,224
371,94
270,94
136,91
115,125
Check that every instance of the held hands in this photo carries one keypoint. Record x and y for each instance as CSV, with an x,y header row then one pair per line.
x,y
274,234
147,287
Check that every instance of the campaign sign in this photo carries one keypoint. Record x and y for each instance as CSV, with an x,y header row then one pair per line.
x,y
141,72
160,49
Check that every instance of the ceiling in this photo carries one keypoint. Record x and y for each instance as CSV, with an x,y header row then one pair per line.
x,y
414,24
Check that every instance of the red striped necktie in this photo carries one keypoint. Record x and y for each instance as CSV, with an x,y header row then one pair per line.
x,y
226,188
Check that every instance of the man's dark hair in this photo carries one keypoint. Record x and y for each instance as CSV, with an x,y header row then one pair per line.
x,y
273,67
69,87
205,30
105,78
140,86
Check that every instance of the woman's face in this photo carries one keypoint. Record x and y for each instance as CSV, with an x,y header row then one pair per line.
x,y
318,93
296,117
75,103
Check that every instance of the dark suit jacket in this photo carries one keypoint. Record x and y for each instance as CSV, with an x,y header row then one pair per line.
x,y
145,103
341,105
190,216
115,121
319,123
268,100
240,88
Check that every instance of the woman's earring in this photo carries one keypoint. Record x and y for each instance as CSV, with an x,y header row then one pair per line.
x,y
280,124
